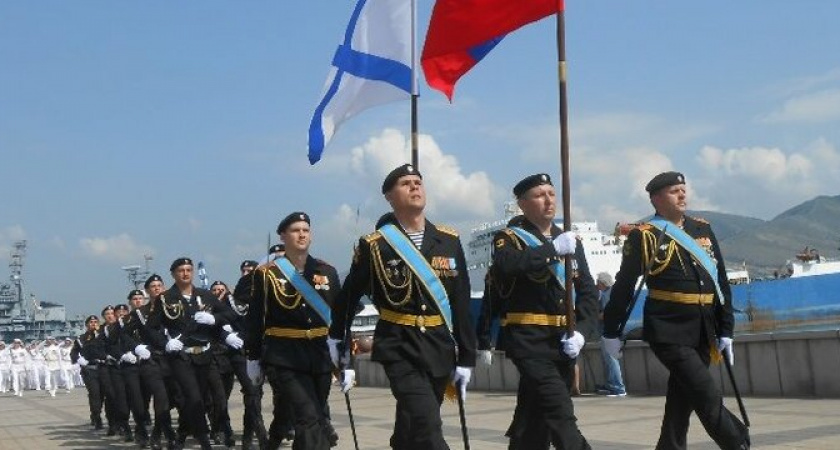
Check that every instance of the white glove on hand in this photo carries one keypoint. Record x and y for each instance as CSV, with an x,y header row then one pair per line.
x,y
81,361
254,371
233,341
348,380
142,352
461,378
174,345
204,318
612,346
228,328
129,358
726,350
572,346
333,346
565,243
486,357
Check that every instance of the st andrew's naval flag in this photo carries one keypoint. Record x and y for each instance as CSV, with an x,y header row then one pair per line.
x,y
372,66
462,32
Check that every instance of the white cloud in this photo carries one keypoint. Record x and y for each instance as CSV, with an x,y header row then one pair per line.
x,y
119,248
815,107
451,192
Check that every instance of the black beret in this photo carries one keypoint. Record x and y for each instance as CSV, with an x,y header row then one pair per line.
x,y
91,317
180,262
531,181
250,263
277,248
152,279
107,308
664,179
297,216
218,283
121,307
396,174
135,292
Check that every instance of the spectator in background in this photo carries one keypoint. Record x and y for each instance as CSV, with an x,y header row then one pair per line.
x,y
614,383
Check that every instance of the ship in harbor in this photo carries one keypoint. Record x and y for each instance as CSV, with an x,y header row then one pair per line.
x,y
23,316
804,294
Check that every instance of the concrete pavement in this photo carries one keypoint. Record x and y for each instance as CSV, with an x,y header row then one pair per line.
x,y
37,421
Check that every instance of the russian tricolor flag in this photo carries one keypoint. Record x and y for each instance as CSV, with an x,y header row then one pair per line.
x,y
462,32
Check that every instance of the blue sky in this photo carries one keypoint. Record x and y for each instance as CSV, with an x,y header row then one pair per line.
x,y
178,128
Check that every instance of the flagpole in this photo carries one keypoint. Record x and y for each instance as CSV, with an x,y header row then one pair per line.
x,y
415,156
564,157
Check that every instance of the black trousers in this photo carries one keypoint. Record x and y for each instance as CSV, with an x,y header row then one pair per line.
x,y
282,416
119,397
191,372
692,388
134,393
154,387
251,394
544,410
307,393
106,388
418,425
90,375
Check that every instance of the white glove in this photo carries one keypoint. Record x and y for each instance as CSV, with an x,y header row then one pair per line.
x,y
612,346
228,328
233,341
81,361
334,353
348,380
174,345
572,346
461,378
726,350
254,371
565,243
142,352
204,318
486,357
129,358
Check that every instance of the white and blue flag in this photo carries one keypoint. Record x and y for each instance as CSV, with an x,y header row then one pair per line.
x,y
202,275
373,65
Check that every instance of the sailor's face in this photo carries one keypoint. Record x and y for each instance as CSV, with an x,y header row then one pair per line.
x,y
137,301
671,200
539,202
297,235
218,290
109,316
93,325
408,193
183,274
155,288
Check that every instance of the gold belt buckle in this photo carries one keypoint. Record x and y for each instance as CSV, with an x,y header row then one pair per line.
x,y
308,334
420,321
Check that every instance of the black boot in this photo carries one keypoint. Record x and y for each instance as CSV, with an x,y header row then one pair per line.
x,y
128,436
97,423
228,432
204,442
247,437
112,430
142,436
332,435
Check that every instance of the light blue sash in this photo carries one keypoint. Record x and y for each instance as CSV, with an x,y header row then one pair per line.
x,y
311,297
687,242
415,261
533,242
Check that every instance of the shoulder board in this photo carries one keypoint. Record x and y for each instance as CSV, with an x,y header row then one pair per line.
x,y
700,219
372,237
645,227
322,262
447,229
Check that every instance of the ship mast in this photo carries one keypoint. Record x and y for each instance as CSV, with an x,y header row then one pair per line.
x,y
16,266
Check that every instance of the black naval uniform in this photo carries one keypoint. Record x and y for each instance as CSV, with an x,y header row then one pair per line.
x,y
411,341
137,332
251,393
118,393
533,317
292,346
194,368
93,350
682,317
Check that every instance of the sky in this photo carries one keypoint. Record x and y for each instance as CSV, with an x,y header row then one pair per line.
x,y
179,128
